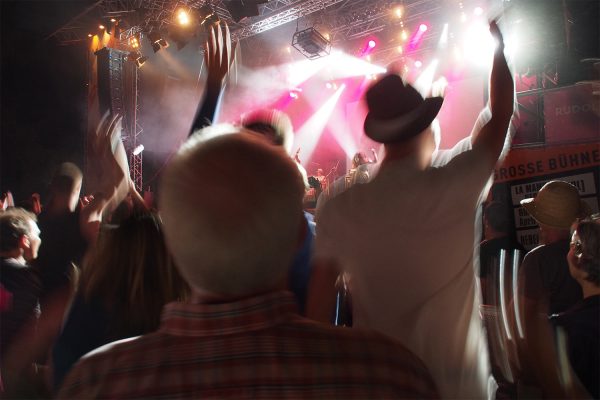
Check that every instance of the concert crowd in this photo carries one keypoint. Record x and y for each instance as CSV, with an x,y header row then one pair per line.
x,y
247,278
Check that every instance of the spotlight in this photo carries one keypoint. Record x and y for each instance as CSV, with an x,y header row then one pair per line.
x,y
240,10
141,61
372,44
418,64
311,43
400,50
207,15
478,11
463,17
138,149
137,58
404,35
157,41
423,28
183,18
134,42
328,85
293,95
90,35
160,44
113,20
399,11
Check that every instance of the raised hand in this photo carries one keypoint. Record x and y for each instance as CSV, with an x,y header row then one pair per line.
x,y
218,57
218,54
496,34
107,156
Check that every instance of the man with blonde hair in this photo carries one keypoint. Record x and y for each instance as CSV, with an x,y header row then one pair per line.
x,y
233,232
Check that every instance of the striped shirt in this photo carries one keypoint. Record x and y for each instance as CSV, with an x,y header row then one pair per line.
x,y
257,347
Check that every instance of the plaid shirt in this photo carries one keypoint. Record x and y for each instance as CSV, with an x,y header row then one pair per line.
x,y
253,348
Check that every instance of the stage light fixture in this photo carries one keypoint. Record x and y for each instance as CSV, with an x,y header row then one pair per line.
x,y
399,11
241,10
372,44
90,35
404,35
478,11
138,149
311,43
160,44
207,15
418,64
157,41
137,58
141,61
134,42
183,17
113,20
423,28
400,50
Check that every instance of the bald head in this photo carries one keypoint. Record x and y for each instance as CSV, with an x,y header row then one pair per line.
x,y
232,207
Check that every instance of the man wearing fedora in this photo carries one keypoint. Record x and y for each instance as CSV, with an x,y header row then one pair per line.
x,y
407,238
545,284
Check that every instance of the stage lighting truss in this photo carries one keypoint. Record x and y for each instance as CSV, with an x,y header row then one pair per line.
x,y
311,43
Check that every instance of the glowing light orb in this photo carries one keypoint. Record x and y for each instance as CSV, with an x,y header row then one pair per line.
x,y
183,17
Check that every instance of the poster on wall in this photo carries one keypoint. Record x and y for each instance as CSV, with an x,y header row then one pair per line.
x,y
525,171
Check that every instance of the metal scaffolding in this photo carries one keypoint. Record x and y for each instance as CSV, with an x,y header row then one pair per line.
x,y
135,160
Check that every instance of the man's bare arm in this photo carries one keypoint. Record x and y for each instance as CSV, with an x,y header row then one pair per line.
x,y
490,140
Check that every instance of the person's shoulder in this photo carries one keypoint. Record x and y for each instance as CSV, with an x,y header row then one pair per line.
x,y
535,252
92,369
17,274
549,250
356,341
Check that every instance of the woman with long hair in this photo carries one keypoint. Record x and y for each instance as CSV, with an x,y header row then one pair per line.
x,y
126,279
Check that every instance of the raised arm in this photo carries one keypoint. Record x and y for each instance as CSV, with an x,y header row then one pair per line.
x,y
111,181
218,57
490,139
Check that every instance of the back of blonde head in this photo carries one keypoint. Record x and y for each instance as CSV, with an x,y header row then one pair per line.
x,y
232,207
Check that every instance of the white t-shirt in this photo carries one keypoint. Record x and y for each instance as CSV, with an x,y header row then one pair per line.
x,y
407,238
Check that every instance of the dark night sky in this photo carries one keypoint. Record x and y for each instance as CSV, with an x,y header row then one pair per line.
x,y
42,94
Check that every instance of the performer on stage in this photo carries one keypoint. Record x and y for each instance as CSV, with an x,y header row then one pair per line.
x,y
359,173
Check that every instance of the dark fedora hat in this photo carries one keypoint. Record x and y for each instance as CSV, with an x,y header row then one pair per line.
x,y
397,111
